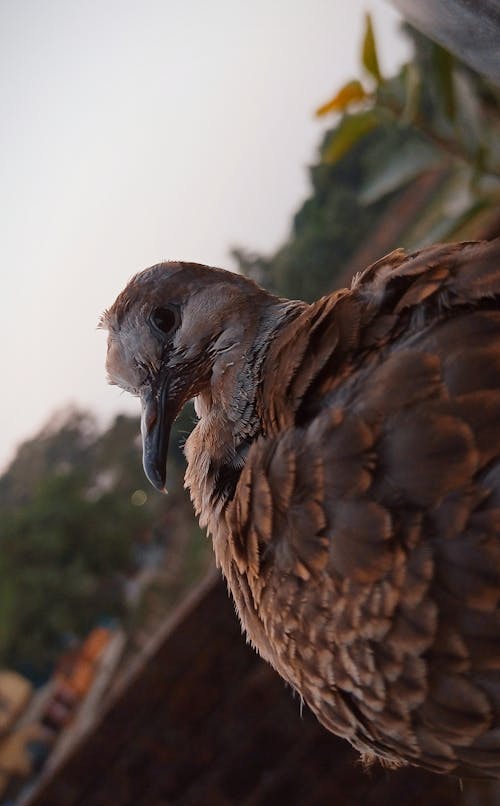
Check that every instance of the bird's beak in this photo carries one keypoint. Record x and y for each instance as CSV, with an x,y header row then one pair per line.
x,y
157,416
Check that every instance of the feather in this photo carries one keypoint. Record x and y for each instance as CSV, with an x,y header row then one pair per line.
x,y
347,465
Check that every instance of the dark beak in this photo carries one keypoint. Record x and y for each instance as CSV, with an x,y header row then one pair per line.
x,y
158,413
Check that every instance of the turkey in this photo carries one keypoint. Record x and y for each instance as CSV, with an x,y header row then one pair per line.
x,y
346,463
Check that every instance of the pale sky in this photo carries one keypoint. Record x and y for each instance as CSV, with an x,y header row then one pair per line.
x,y
134,131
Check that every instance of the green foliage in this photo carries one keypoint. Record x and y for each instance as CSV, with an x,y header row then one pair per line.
x,y
331,224
409,161
434,98
436,119
76,508
350,129
60,557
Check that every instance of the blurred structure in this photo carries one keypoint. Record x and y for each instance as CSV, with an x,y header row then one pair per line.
x,y
469,30
15,693
201,719
41,726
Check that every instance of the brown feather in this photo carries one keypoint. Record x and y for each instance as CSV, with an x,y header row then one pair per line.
x,y
347,465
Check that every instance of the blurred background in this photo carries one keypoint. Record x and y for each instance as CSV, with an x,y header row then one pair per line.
x,y
294,141
139,132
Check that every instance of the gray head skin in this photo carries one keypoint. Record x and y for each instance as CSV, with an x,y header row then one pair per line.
x,y
180,331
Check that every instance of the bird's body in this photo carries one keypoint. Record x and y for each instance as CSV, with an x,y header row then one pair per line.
x,y
347,464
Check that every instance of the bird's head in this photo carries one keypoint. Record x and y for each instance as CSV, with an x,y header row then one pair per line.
x,y
173,331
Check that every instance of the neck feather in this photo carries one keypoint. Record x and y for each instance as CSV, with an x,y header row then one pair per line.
x,y
230,419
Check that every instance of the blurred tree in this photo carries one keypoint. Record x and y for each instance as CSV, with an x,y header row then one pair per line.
x,y
413,159
328,227
60,556
75,516
448,115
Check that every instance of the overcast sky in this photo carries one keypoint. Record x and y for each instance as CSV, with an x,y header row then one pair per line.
x,y
139,131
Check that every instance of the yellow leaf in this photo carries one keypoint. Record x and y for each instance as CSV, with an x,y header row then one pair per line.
x,y
350,93
369,51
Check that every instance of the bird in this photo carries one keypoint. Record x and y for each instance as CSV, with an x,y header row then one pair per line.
x,y
346,464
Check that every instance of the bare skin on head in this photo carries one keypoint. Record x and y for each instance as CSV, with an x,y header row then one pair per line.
x,y
346,463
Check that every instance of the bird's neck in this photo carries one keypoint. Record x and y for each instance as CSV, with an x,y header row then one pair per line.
x,y
230,415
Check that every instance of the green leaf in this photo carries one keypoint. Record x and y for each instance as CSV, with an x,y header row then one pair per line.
x,y
413,90
349,131
442,75
412,159
369,51
352,92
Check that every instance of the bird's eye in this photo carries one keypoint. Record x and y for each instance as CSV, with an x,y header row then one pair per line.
x,y
165,319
